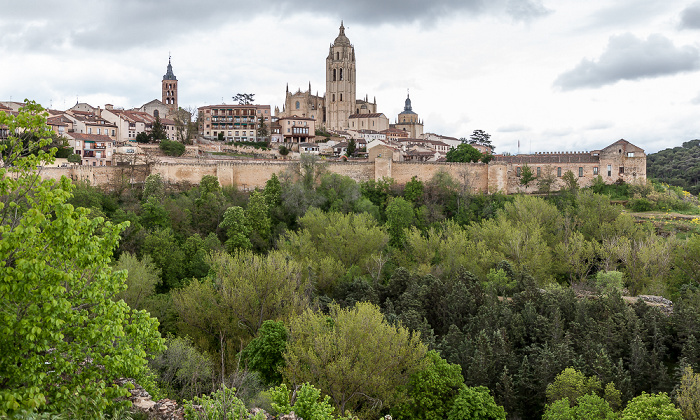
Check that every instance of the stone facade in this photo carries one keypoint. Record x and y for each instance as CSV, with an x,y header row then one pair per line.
x,y
628,162
303,104
341,82
409,122
374,121
169,90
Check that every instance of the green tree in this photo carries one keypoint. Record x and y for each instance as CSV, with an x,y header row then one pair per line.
x,y
413,191
399,217
158,131
143,137
475,403
587,407
352,146
236,228
431,391
353,355
257,216
570,181
546,180
63,339
526,175
572,384
689,394
265,353
651,406
481,137
463,153
306,402
141,280
263,132
172,148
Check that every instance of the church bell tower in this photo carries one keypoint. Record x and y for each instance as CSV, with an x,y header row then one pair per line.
x,y
169,90
340,82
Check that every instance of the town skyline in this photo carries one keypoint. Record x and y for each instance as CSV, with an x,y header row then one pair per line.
x,y
555,77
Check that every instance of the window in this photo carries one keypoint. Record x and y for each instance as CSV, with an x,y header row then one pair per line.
x,y
580,171
622,170
518,171
337,56
287,130
98,130
595,170
113,132
297,105
539,171
341,97
341,74
630,154
609,170
333,100
334,74
89,130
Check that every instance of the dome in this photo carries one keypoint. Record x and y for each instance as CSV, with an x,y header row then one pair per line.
x,y
407,109
341,39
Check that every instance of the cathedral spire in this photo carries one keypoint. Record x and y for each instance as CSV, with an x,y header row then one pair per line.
x,y
169,73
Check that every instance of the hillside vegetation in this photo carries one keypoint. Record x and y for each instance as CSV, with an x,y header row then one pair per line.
x,y
679,166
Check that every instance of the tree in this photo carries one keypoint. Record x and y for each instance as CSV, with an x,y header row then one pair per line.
x,y
570,181
237,229
263,132
587,407
475,403
463,153
481,137
431,392
244,98
184,126
546,180
413,190
305,402
689,394
353,355
143,137
399,217
172,148
142,278
265,353
352,146
526,175
651,406
63,339
158,132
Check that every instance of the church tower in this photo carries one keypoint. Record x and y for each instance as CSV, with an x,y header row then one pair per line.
x,y
170,89
340,82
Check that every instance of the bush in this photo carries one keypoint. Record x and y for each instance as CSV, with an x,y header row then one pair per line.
x,y
641,204
284,151
172,148
220,405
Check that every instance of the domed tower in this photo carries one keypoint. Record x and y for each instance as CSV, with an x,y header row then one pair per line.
x,y
170,89
340,82
408,120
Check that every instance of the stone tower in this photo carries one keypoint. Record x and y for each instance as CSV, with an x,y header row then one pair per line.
x,y
409,121
170,89
340,82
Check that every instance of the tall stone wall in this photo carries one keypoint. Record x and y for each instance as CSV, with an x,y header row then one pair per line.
x,y
474,175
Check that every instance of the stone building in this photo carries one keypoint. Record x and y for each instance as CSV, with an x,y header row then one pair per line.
x,y
375,121
408,121
169,89
234,122
303,104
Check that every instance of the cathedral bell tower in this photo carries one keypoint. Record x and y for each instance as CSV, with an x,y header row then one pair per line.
x,y
170,89
340,82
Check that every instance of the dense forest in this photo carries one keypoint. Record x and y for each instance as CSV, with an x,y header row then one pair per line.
x,y
506,291
332,298
678,166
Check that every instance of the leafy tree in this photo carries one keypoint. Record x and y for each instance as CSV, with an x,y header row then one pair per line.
x,y
481,137
572,384
399,215
172,148
689,394
651,406
413,191
306,402
341,192
431,391
587,407
570,181
184,369
353,355
141,280
257,218
463,153
167,255
264,353
63,338
222,404
263,132
546,180
154,186
73,158
220,136
283,150
526,175
158,131
236,228
475,403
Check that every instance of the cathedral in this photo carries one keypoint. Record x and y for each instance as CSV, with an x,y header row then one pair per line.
x,y
334,109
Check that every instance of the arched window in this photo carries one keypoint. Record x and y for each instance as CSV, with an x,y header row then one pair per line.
x,y
337,56
341,97
341,74
155,113
334,75
297,105
357,111
333,100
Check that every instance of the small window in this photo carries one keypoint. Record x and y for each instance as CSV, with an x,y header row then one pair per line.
x,y
622,170
334,70
539,171
518,171
580,171
630,154
609,170
337,56
595,170
559,171
341,74
297,105
341,97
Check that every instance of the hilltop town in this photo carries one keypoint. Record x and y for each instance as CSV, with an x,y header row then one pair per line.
x,y
336,126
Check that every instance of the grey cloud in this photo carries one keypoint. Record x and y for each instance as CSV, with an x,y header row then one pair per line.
x,y
124,24
622,13
696,100
630,58
690,17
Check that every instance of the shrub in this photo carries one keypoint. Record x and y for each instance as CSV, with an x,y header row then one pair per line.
x,y
172,148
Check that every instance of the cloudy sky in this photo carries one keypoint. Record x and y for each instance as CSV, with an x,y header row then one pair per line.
x,y
554,75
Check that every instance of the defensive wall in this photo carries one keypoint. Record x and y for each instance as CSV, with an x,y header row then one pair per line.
x,y
501,174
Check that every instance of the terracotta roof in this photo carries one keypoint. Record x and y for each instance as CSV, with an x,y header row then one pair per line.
x,y
89,137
